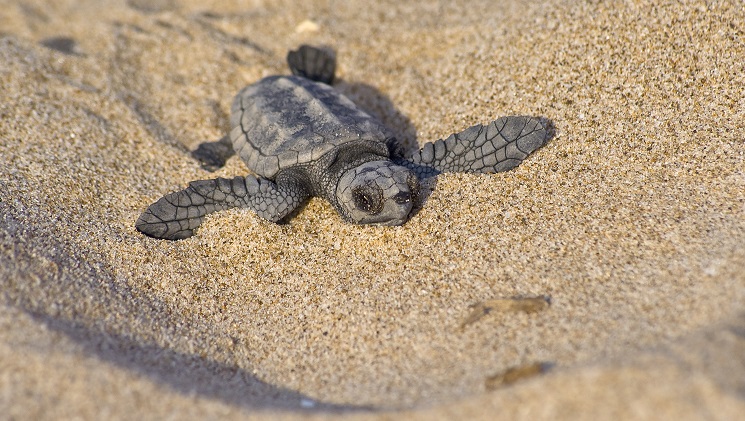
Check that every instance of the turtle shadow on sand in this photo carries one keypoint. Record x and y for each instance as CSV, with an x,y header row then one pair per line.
x,y
370,100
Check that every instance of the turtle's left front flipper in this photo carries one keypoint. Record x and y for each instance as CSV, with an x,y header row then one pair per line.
x,y
499,146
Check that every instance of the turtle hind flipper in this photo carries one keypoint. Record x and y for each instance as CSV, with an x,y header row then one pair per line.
x,y
313,63
212,155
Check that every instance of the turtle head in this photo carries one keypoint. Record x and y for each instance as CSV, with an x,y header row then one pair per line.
x,y
377,192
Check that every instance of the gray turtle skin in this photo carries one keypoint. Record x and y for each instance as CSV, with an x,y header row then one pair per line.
x,y
302,138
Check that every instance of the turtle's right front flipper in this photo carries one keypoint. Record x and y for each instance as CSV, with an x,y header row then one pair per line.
x,y
177,215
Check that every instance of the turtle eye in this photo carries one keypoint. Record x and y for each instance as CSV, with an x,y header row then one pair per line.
x,y
368,199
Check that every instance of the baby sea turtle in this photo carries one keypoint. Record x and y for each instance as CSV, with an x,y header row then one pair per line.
x,y
302,138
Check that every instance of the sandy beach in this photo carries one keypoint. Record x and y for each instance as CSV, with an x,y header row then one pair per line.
x,y
630,221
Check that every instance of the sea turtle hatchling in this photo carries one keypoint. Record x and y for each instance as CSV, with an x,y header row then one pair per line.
x,y
302,138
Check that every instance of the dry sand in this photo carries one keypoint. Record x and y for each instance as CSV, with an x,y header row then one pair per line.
x,y
631,219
